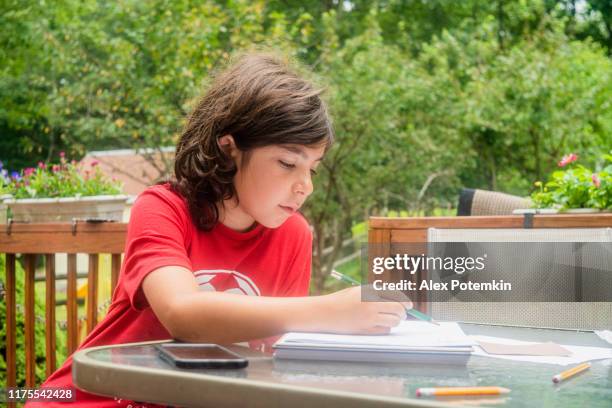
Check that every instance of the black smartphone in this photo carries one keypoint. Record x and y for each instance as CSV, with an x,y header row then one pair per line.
x,y
200,355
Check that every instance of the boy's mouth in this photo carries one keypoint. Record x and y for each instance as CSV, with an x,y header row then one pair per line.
x,y
288,209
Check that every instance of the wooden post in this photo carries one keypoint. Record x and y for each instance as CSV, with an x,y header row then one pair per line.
x,y
50,343
30,320
71,304
11,324
92,293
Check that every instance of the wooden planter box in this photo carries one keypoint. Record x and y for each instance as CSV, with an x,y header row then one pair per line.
x,y
36,210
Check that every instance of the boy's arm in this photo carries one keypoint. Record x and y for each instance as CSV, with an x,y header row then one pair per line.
x,y
196,316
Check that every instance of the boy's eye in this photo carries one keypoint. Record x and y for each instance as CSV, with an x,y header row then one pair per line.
x,y
286,165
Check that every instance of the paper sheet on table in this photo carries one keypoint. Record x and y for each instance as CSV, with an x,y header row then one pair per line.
x,y
408,334
534,349
579,355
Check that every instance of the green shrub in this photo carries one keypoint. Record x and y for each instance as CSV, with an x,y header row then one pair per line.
x,y
576,186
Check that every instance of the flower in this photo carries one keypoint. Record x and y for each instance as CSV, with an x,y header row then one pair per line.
x,y
596,180
94,163
1,165
62,154
58,180
567,159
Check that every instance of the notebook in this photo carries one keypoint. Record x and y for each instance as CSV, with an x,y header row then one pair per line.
x,y
411,341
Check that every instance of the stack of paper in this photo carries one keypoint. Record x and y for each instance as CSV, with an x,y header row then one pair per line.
x,y
411,341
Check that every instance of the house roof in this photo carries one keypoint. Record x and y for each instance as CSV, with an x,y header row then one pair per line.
x,y
136,168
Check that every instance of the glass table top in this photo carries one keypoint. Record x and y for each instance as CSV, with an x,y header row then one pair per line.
x,y
530,383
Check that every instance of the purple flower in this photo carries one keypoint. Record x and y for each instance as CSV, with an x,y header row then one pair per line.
x,y
15,176
1,165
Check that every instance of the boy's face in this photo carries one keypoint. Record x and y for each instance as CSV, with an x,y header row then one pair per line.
x,y
271,184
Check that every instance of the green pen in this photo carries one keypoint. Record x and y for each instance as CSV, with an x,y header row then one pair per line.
x,y
412,312
344,278
421,316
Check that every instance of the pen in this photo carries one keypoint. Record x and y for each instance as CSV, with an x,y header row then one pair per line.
x,y
571,372
421,316
412,312
342,277
449,391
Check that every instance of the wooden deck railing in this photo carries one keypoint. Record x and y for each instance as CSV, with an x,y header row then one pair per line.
x,y
46,240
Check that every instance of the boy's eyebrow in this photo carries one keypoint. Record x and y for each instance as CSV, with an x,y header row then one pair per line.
x,y
297,150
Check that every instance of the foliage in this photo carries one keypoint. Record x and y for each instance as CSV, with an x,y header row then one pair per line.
x,y
576,187
427,97
60,180
39,331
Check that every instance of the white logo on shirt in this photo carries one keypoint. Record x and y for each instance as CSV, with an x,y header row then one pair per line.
x,y
214,280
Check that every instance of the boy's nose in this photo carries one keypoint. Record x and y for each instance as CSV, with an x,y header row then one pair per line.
x,y
303,187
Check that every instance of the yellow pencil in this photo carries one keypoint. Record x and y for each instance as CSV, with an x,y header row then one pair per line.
x,y
571,372
448,391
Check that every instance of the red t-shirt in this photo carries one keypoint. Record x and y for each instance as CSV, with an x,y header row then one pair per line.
x,y
260,262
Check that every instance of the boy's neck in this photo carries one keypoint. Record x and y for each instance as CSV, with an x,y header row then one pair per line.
x,y
233,217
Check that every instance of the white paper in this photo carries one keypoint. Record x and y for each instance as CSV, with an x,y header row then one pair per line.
x,y
604,335
579,355
407,334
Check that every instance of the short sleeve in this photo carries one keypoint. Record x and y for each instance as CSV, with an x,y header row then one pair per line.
x,y
299,282
158,235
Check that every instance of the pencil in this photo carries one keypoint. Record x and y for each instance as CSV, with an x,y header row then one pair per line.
x,y
451,391
342,277
571,372
421,316
412,312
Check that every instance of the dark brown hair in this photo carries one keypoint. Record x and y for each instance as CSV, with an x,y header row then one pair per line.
x,y
260,101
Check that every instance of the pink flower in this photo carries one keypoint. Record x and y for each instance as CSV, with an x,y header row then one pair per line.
x,y
55,168
62,154
42,165
94,163
27,172
567,159
596,180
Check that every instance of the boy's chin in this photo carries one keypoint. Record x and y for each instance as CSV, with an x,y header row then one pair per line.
x,y
273,223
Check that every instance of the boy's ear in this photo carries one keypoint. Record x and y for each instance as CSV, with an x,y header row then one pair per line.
x,y
227,144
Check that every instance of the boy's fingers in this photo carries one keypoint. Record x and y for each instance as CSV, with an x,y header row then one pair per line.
x,y
394,295
369,294
407,305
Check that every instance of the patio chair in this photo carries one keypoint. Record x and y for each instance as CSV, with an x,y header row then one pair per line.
x,y
536,268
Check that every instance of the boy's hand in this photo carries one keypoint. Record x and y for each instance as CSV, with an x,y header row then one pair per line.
x,y
345,312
